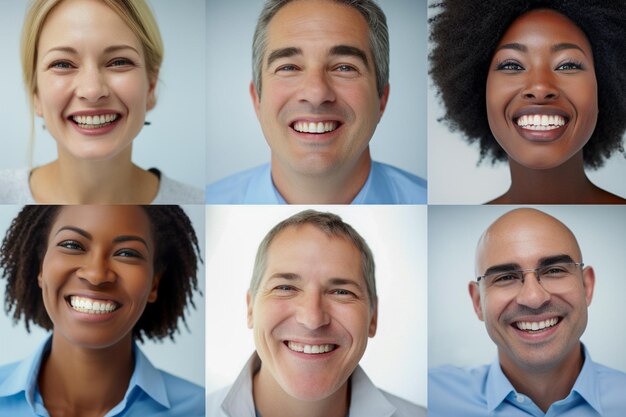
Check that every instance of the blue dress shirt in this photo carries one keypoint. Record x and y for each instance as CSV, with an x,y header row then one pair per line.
x,y
484,391
151,392
385,185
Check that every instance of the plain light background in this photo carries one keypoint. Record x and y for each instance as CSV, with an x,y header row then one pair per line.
x,y
455,178
395,358
183,358
174,142
455,334
235,140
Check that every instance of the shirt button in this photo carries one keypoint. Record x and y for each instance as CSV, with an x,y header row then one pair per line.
x,y
520,398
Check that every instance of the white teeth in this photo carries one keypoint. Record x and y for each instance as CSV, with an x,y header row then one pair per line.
x,y
540,121
94,122
534,325
310,349
312,127
87,305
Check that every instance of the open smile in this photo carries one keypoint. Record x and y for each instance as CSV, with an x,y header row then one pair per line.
x,y
95,122
541,122
91,305
319,127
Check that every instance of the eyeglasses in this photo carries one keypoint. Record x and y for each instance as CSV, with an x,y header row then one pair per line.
x,y
553,276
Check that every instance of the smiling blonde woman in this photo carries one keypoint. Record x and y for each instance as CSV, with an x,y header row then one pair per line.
x,y
90,69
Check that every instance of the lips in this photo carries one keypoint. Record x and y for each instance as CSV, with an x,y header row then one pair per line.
x,y
541,124
93,120
92,306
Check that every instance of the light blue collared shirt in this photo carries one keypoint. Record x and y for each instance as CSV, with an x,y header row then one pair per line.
x,y
484,391
151,392
385,185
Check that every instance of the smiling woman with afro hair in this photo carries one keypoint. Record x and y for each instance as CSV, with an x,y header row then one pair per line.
x,y
466,44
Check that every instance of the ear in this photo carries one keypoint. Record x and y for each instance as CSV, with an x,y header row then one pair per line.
x,y
39,279
373,322
155,288
383,100
249,302
474,291
37,105
256,99
151,101
589,282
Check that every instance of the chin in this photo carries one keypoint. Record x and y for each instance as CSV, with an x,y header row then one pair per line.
x,y
310,389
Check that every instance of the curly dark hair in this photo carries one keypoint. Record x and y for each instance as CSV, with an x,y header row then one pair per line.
x,y
465,36
176,260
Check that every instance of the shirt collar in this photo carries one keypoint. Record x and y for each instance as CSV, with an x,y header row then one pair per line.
x,y
239,400
366,399
24,376
145,377
498,387
262,188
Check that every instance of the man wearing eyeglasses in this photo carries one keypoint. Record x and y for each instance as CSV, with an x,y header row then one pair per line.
x,y
532,292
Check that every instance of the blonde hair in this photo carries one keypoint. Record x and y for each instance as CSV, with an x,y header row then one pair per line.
x,y
135,13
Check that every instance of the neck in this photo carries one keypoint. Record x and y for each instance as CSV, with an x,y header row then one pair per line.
x,y
72,181
545,386
564,184
272,401
337,187
77,381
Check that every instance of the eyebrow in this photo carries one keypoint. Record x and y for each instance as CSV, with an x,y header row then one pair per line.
x,y
338,50
117,239
347,50
108,49
282,53
545,261
335,281
555,48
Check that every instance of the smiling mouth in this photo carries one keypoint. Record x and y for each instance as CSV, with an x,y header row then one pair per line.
x,y
310,349
315,127
541,121
95,122
91,306
537,326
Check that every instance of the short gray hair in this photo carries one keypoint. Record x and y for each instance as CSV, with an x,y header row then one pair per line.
x,y
378,37
331,225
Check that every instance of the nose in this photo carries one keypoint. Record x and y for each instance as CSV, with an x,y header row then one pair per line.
x,y
91,84
316,88
96,270
532,294
540,86
311,312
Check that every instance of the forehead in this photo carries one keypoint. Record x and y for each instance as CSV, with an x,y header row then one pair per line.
x,y
105,220
74,22
524,239
545,25
307,251
324,23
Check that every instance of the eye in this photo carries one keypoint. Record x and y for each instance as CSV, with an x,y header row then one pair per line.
x,y
342,292
287,68
62,65
509,66
554,271
71,245
284,288
504,278
128,253
345,68
570,66
121,62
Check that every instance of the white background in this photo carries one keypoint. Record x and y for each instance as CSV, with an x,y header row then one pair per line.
x,y
455,178
456,336
174,142
395,358
183,358
235,140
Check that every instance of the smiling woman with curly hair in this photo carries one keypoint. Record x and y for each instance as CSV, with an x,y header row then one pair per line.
x,y
538,83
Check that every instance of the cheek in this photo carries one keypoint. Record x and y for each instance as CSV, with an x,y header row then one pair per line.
x,y
132,90
54,94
